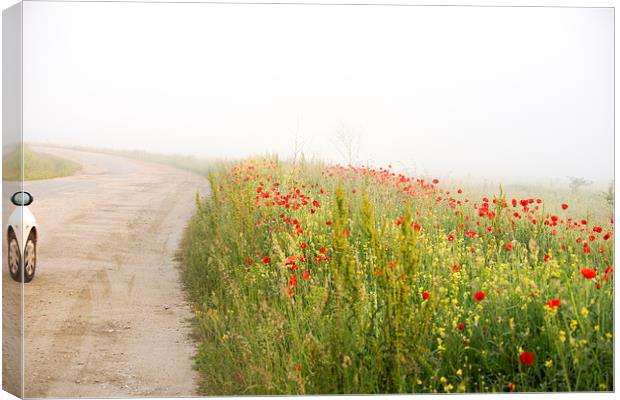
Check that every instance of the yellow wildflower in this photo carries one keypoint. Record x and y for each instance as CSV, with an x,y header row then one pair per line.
x,y
573,325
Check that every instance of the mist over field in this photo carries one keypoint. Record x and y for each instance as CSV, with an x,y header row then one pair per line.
x,y
472,94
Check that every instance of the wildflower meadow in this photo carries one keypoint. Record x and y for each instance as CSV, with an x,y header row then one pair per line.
x,y
317,279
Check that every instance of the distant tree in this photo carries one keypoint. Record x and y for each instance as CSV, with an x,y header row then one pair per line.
x,y
609,195
347,143
298,145
576,183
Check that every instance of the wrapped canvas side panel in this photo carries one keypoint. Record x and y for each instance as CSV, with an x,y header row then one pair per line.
x,y
12,181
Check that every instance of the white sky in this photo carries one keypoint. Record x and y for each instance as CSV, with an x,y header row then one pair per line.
x,y
499,93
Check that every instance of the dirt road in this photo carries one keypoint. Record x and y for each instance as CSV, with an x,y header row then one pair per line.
x,y
105,314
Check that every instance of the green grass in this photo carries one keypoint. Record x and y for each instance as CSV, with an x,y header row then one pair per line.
x,y
36,166
365,290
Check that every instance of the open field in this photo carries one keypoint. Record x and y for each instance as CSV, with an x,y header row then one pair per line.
x,y
317,279
37,166
198,165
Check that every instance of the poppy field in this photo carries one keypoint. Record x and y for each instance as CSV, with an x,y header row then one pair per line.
x,y
317,279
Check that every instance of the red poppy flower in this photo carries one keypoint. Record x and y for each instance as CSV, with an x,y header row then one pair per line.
x,y
553,304
588,273
547,257
304,245
323,250
508,247
461,326
306,275
266,260
526,358
435,181
455,268
425,295
511,386
564,206
249,261
479,296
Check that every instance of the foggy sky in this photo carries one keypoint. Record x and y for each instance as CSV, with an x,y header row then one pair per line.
x,y
500,93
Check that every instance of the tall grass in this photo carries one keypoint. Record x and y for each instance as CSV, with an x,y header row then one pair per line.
x,y
312,279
